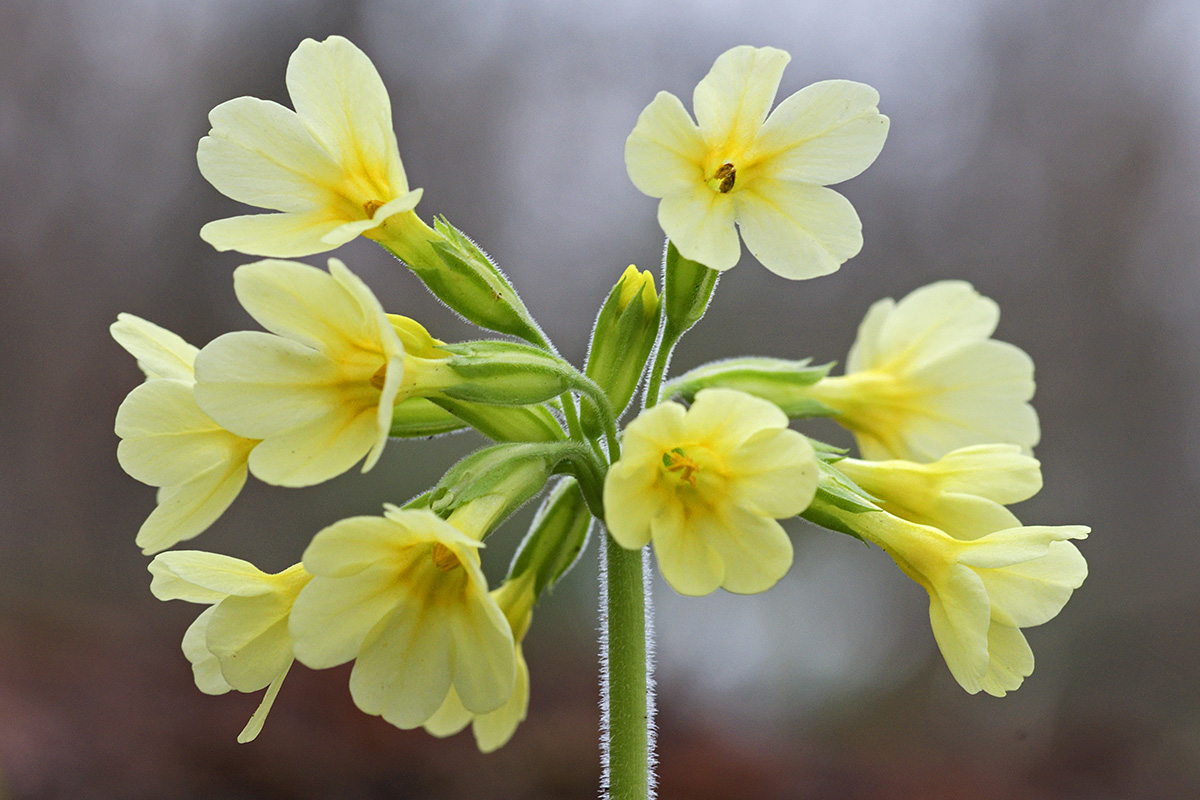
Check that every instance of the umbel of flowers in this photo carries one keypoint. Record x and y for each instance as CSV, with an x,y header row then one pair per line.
x,y
706,471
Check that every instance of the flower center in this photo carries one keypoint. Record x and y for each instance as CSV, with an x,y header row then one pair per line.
x,y
380,377
444,558
371,206
677,461
723,179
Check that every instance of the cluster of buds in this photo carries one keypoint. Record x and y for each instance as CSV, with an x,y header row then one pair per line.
x,y
940,411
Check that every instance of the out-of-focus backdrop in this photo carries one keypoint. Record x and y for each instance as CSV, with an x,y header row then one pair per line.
x,y
1045,151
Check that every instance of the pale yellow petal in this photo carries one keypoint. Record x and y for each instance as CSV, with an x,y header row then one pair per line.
x,y
1017,545
1010,661
723,419
261,154
284,235
187,510
249,636
200,577
1035,591
349,230
159,352
825,133
349,546
999,472
733,99
451,718
206,670
300,302
795,229
165,438
342,100
322,449
403,670
630,501
665,152
755,550
700,223
866,353
484,665
254,726
494,729
959,615
774,473
688,562
929,323
332,616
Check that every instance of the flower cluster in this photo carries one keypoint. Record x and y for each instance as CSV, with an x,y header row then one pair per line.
x,y
706,476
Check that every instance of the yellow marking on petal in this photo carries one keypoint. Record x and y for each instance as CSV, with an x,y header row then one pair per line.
x,y
444,558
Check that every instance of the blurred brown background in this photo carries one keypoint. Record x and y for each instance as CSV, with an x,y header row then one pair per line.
x,y
1045,151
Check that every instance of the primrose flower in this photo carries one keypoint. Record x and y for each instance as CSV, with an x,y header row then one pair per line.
x,y
493,729
984,590
707,485
963,493
331,167
767,174
168,442
320,388
924,378
241,642
404,597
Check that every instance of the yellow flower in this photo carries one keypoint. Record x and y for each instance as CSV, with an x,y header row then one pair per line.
x,y
493,729
924,378
963,493
403,596
241,642
767,174
707,485
331,166
983,591
319,390
168,442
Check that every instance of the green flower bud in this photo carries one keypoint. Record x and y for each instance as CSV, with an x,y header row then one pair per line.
x,y
687,288
777,380
506,373
625,331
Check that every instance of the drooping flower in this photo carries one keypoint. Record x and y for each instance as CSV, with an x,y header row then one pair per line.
x,y
241,642
766,174
924,377
168,442
984,590
331,167
404,597
964,493
320,388
493,729
707,485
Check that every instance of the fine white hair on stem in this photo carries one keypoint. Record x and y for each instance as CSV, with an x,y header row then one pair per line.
x,y
651,704
605,711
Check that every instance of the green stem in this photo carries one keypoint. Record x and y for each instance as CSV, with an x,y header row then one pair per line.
x,y
627,700
661,358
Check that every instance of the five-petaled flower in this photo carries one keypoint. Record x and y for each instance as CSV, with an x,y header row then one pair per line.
x,y
320,389
331,167
767,174
707,485
241,641
168,442
404,597
924,377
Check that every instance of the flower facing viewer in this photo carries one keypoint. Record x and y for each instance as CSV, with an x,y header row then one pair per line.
x,y
707,485
924,377
241,642
767,174
331,167
319,390
404,597
168,442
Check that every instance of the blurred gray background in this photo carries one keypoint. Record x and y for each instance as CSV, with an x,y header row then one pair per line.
x,y
1045,151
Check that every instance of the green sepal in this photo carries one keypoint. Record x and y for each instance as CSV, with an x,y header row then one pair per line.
x,y
687,289
622,341
515,472
418,417
508,373
777,380
836,491
471,284
504,423
558,534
